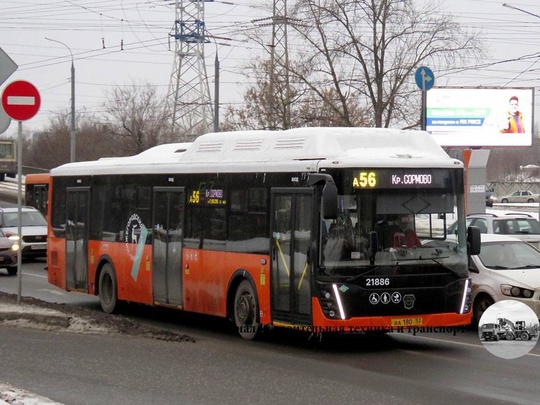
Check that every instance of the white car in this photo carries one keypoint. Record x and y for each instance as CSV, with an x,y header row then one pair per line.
x,y
33,229
506,268
522,196
519,225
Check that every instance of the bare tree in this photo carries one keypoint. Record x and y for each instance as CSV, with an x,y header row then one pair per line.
x,y
261,110
265,109
371,48
51,147
357,56
137,117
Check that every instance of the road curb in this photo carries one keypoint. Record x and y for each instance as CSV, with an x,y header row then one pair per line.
x,y
61,321
29,313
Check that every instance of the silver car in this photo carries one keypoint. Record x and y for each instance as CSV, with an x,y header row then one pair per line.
x,y
522,196
519,225
9,248
33,229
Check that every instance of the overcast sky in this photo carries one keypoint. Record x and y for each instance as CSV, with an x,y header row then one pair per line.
x,y
96,31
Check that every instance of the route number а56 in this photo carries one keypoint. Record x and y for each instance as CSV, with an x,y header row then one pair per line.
x,y
365,179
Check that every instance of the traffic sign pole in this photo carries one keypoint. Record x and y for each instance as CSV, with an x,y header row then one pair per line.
x,y
423,112
425,79
21,101
19,205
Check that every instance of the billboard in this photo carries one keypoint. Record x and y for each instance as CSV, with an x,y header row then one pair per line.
x,y
458,116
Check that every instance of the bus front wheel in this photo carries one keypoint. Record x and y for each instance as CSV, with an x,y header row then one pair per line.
x,y
107,289
245,311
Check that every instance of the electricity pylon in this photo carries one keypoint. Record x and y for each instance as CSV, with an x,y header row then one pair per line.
x,y
279,61
189,92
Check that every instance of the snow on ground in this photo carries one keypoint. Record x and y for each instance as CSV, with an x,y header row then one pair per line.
x,y
13,396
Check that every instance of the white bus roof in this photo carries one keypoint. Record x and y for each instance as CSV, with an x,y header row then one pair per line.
x,y
300,149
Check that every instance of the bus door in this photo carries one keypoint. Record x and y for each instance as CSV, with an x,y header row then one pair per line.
x,y
77,216
168,220
36,196
292,218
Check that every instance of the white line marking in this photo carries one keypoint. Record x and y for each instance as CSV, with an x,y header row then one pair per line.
x,y
479,345
34,275
21,100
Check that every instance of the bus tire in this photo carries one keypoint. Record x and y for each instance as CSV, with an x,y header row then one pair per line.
x,y
108,291
246,310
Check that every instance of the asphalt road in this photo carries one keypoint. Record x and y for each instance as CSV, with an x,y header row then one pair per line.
x,y
283,367
220,368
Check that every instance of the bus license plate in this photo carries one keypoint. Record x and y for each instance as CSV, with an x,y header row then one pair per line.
x,y
407,322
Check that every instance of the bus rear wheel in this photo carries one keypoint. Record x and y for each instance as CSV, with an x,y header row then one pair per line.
x,y
245,311
108,297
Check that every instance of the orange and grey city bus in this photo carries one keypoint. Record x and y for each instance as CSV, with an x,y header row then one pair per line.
x,y
36,191
270,229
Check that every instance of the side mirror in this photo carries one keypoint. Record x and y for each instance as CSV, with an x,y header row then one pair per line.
x,y
473,240
373,246
329,194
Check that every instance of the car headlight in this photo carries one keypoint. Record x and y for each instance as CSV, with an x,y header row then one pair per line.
x,y
513,291
15,240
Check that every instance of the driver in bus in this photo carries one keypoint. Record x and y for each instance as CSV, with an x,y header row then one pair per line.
x,y
406,236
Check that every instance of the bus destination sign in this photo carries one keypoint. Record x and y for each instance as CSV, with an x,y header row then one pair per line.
x,y
399,178
207,197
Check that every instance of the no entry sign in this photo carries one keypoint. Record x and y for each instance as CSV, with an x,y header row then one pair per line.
x,y
21,100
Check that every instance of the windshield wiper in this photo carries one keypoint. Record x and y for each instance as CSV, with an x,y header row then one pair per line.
x,y
528,266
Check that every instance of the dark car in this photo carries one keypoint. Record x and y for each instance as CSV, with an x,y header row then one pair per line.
x,y
489,198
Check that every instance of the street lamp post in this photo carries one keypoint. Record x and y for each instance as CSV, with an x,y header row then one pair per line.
x,y
72,130
520,9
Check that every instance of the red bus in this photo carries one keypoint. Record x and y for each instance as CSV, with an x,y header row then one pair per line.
x,y
36,191
270,229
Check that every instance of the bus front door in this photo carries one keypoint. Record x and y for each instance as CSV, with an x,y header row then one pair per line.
x,y
77,215
167,245
291,271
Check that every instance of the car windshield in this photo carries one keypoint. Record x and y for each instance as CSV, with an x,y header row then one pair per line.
x,y
516,226
505,255
28,218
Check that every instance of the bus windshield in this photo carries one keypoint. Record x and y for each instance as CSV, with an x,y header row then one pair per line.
x,y
387,228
